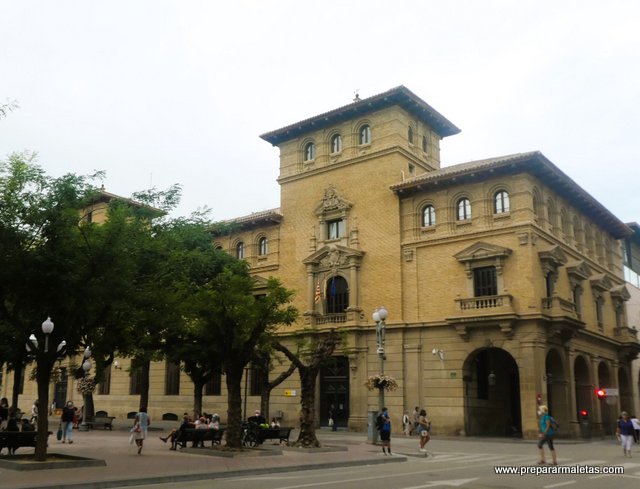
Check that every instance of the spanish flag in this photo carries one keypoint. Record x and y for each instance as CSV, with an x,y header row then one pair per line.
x,y
318,294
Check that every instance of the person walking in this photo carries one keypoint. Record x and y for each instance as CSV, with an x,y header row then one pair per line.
x,y
141,425
415,421
625,431
385,431
67,419
546,436
332,418
4,413
636,428
424,430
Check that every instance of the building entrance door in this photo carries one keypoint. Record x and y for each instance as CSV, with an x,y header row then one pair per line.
x,y
334,390
60,395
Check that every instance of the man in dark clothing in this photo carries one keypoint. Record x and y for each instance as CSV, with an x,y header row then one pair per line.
x,y
385,431
257,418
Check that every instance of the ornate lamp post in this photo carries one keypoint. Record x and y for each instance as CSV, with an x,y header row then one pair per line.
x,y
379,316
85,388
47,329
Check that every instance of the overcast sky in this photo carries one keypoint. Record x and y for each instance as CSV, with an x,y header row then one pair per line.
x,y
161,92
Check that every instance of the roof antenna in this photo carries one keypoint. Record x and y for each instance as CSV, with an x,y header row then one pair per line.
x,y
357,95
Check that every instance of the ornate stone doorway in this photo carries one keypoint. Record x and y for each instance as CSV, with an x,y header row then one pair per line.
x,y
334,389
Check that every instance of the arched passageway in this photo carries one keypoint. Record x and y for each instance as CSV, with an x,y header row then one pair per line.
x,y
492,394
557,388
583,388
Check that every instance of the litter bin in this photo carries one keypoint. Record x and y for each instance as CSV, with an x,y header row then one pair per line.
x,y
372,431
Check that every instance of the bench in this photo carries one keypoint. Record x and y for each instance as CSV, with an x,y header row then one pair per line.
x,y
198,437
16,439
100,420
257,436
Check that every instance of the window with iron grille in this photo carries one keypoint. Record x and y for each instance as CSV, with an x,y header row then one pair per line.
x,y
214,386
172,379
337,295
485,281
135,382
104,387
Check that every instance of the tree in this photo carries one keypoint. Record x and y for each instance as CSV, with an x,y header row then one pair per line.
x,y
313,353
53,263
238,321
263,362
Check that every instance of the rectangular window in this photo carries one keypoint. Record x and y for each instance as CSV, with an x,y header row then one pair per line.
x,y
135,382
214,386
599,314
577,301
485,281
257,381
335,229
104,388
172,379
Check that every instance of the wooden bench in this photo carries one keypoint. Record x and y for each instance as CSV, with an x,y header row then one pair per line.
x,y
257,436
198,437
16,439
100,420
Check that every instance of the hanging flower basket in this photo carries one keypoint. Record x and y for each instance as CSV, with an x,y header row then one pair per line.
x,y
385,382
86,386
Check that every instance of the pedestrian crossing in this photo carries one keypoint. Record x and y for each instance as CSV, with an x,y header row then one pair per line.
x,y
465,459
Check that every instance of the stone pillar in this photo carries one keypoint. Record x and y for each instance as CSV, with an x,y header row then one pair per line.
x,y
532,370
412,394
596,416
571,378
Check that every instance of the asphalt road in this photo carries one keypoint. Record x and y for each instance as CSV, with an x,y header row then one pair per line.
x,y
455,463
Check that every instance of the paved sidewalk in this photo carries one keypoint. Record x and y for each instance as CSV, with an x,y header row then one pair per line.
x,y
159,464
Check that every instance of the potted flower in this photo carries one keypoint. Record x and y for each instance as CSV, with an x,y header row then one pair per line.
x,y
381,381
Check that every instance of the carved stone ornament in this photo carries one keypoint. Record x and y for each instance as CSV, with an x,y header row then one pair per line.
x,y
332,202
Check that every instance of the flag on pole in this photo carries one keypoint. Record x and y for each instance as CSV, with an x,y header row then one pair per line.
x,y
318,295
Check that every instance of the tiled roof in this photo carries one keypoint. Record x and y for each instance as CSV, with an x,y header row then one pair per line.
x,y
533,162
400,96
271,215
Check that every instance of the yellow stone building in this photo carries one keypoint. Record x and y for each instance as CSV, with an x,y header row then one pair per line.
x,y
503,279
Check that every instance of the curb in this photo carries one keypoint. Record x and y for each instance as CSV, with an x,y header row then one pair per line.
x,y
219,475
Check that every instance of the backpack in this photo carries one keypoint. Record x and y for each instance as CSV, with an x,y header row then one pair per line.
x,y
379,422
553,424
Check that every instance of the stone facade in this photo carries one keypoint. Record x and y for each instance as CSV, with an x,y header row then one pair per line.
x,y
503,278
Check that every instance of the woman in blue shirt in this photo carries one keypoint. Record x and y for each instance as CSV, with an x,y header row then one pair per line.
x,y
625,432
546,436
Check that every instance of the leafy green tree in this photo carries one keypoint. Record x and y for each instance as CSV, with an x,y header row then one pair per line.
x,y
314,350
53,263
239,322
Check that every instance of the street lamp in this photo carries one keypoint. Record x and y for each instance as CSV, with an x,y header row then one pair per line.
x,y
47,329
379,316
86,366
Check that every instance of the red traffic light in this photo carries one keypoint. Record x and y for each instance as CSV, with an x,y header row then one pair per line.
x,y
601,393
584,413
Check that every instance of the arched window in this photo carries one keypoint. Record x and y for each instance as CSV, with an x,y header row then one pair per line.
x,y
428,216
537,205
337,295
309,152
365,135
240,250
463,209
336,144
263,246
424,143
410,134
501,202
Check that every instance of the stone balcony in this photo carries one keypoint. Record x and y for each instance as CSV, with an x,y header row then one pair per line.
x,y
557,306
489,304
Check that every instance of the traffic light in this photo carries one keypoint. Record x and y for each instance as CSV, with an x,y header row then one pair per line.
x,y
601,393
584,414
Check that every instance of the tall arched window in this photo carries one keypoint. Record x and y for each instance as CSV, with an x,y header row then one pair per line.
x,y
263,246
463,209
428,216
410,134
336,144
365,135
309,152
501,202
337,295
424,143
240,250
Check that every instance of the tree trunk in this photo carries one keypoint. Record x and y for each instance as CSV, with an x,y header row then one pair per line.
x,y
144,383
234,407
307,437
17,376
267,387
197,396
43,378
